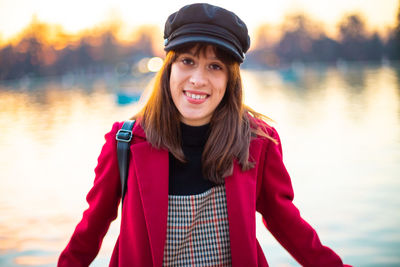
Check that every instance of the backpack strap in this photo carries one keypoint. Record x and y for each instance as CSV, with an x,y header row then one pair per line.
x,y
124,137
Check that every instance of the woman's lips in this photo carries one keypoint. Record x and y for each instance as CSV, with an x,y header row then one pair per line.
x,y
195,97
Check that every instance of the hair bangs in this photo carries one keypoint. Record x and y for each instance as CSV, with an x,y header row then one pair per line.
x,y
201,49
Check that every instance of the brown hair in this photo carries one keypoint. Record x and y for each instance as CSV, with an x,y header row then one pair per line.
x,y
231,125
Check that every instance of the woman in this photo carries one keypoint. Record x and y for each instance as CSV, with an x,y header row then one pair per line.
x,y
201,165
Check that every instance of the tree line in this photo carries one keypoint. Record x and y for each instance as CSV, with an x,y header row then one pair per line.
x,y
301,41
99,51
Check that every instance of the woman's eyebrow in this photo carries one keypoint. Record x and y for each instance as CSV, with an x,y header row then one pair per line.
x,y
215,58
193,54
188,52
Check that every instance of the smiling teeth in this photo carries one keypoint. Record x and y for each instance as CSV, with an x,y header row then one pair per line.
x,y
195,96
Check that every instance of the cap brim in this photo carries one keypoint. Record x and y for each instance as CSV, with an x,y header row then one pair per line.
x,y
186,39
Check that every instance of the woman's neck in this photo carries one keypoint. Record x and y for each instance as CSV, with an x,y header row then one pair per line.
x,y
194,135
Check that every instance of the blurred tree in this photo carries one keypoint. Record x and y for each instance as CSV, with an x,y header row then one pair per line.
x,y
7,57
266,36
325,49
296,43
109,48
144,40
304,40
352,28
43,49
374,48
28,51
262,49
353,38
393,45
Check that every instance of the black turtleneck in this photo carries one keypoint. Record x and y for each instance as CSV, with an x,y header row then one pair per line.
x,y
187,178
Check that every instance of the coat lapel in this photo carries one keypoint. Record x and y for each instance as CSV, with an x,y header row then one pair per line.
x,y
151,167
240,198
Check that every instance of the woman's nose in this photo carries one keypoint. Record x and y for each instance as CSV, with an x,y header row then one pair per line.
x,y
198,78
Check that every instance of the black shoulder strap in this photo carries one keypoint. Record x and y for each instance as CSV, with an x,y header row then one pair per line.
x,y
124,137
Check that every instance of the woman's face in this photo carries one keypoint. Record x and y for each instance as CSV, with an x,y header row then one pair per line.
x,y
198,84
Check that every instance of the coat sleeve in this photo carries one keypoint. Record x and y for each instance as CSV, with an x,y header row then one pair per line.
x,y
103,200
282,218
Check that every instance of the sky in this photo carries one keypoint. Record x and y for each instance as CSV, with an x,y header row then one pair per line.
x,y
75,15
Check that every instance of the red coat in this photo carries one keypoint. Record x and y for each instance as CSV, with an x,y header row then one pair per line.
x,y
266,188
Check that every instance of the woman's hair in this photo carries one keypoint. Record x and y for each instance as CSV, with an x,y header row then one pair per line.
x,y
231,127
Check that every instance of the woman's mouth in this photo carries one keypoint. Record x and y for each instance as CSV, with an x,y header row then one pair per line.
x,y
195,98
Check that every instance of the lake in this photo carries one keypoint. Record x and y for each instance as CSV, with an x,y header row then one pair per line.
x,y
340,131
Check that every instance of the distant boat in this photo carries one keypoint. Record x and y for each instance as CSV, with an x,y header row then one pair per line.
x,y
129,90
289,75
292,73
124,99
127,95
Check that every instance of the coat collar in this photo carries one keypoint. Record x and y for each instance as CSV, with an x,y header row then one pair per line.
x,y
138,131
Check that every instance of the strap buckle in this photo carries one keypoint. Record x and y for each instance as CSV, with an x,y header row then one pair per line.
x,y
124,135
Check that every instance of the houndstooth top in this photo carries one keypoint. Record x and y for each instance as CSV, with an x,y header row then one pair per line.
x,y
198,230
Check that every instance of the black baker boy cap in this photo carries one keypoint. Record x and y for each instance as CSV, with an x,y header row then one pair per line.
x,y
206,23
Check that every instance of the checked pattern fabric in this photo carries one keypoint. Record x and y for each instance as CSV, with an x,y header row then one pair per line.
x,y
198,230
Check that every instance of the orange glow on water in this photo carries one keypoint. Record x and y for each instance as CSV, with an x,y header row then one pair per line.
x,y
35,260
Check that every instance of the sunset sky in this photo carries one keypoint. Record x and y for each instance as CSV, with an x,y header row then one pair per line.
x,y
75,15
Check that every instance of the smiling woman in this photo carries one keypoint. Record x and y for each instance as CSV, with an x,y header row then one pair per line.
x,y
202,164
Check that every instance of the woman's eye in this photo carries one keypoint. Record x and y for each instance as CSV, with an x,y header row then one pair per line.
x,y
215,67
187,61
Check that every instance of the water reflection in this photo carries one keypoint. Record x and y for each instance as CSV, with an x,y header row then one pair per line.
x,y
342,147
340,132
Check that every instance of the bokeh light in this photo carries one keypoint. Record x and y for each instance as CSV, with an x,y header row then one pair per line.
x,y
155,64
